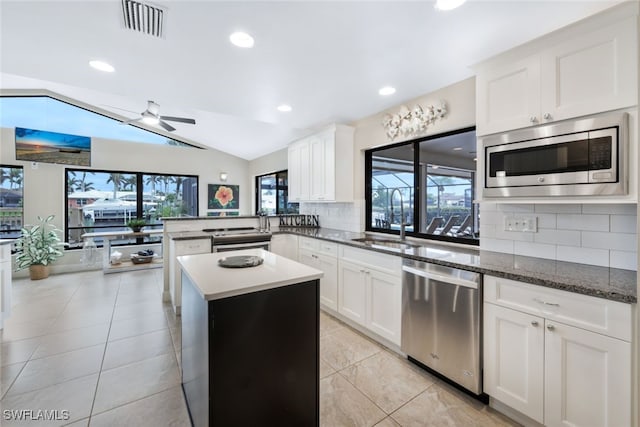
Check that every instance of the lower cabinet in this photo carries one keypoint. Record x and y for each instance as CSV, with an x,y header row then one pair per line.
x,y
285,245
179,248
370,296
329,281
553,372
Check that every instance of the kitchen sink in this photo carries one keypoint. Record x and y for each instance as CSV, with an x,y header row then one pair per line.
x,y
388,243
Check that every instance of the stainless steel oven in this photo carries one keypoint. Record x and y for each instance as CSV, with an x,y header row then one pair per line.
x,y
441,321
239,246
234,239
576,158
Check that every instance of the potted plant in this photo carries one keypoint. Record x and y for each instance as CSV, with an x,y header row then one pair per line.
x,y
39,246
136,224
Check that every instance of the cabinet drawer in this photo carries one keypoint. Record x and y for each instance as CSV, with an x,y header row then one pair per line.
x,y
385,263
599,315
308,243
192,247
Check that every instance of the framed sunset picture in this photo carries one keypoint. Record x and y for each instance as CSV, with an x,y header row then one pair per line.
x,y
223,196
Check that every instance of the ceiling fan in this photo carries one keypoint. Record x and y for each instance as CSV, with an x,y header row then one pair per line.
x,y
151,116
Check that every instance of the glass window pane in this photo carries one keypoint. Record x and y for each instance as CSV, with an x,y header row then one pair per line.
x,y
11,201
168,196
272,196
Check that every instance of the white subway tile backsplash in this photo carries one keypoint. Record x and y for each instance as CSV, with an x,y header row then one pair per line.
x,y
557,237
538,250
623,224
558,209
546,220
583,222
516,208
614,241
516,236
624,260
626,209
496,245
492,217
488,207
487,230
583,255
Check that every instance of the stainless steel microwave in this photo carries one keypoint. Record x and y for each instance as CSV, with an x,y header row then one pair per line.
x,y
575,158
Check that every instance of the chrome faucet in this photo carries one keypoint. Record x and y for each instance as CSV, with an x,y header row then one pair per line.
x,y
402,223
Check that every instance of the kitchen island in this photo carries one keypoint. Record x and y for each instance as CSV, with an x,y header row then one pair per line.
x,y
250,341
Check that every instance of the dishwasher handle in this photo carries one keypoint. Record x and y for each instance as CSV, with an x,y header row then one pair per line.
x,y
440,277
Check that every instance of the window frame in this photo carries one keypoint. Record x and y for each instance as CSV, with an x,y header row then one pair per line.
x,y
139,198
277,190
419,197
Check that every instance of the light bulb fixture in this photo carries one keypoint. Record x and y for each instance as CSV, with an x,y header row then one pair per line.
x,y
241,39
284,108
387,90
448,4
149,118
223,176
102,66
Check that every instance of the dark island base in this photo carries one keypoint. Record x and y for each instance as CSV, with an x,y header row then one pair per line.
x,y
253,359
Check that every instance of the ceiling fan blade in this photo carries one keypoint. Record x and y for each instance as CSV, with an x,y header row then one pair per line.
x,y
127,122
179,119
166,126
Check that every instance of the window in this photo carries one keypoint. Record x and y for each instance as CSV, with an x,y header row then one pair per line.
x,y
433,180
11,201
272,194
107,200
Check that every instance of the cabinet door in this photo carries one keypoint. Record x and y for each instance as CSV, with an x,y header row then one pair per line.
x,y
508,96
317,167
329,282
298,170
587,378
184,247
514,359
352,291
384,300
285,245
590,74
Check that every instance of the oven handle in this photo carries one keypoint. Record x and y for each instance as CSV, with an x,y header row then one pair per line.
x,y
440,277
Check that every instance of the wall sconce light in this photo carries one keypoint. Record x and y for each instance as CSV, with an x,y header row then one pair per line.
x,y
223,176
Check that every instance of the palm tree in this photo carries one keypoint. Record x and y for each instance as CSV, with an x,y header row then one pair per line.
x,y
116,179
15,178
129,182
178,180
166,180
72,183
84,185
4,175
152,180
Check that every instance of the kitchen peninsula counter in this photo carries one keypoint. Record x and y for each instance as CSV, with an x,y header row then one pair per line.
x,y
602,282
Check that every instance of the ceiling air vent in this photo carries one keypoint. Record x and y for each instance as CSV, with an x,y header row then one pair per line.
x,y
143,17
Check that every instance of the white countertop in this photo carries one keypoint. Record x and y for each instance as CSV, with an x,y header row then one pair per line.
x,y
215,282
6,241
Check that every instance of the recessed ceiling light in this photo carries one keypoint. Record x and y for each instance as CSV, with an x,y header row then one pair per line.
x,y
284,108
102,66
387,90
457,148
448,4
241,39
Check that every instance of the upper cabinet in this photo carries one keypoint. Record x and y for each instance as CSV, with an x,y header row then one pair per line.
x,y
587,68
321,166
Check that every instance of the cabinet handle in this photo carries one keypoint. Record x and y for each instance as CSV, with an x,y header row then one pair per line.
x,y
547,116
551,327
533,119
553,304
534,323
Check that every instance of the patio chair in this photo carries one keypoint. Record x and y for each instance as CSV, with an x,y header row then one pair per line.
x,y
435,223
447,227
462,229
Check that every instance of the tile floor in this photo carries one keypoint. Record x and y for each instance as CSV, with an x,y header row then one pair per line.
x,y
103,350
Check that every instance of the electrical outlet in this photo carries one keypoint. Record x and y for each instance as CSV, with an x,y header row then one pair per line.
x,y
522,223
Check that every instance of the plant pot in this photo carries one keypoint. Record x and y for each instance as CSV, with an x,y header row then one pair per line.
x,y
136,229
38,271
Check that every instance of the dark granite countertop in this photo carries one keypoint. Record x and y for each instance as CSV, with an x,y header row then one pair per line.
x,y
603,282
188,235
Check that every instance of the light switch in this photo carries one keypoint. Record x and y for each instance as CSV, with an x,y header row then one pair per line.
x,y
522,223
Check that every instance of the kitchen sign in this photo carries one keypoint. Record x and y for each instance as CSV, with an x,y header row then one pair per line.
x,y
302,221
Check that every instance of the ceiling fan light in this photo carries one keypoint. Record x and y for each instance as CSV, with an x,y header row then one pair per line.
x,y
241,39
387,90
150,120
284,108
448,4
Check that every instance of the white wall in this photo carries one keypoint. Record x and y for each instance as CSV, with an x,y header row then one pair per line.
x,y
44,185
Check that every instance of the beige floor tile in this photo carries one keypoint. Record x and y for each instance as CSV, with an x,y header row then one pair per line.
x,y
80,317
325,369
387,380
138,309
75,396
329,324
176,337
40,373
387,422
74,339
134,349
18,351
137,326
341,404
8,374
20,331
166,408
135,381
344,347
80,423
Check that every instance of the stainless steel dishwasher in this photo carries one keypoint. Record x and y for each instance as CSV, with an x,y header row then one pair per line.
x,y
441,321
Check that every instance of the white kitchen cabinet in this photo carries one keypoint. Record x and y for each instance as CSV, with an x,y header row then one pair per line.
x,y
179,248
560,358
5,282
370,291
321,166
285,245
579,72
323,256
